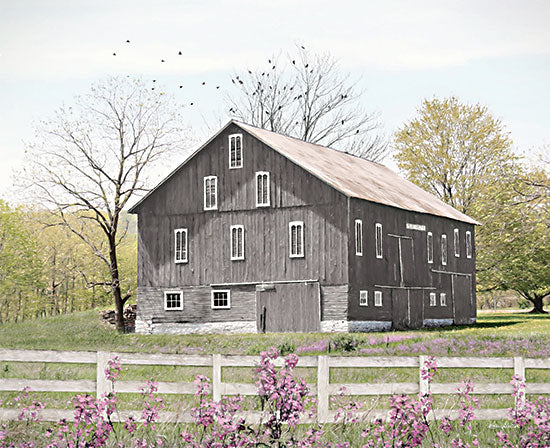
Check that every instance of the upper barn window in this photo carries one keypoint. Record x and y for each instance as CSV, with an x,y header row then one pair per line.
x,y
378,238
210,193
236,151
443,249
468,244
237,242
456,242
262,189
180,245
296,239
430,246
358,237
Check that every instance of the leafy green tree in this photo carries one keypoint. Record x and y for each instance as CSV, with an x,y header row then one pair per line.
x,y
463,155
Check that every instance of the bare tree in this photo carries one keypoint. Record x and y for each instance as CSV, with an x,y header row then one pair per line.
x,y
308,97
91,159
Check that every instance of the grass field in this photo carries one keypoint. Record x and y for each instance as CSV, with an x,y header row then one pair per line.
x,y
495,334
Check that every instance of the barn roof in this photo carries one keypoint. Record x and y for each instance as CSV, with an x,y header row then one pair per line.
x,y
353,176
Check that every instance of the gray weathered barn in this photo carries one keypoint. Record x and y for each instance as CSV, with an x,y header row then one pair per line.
x,y
259,232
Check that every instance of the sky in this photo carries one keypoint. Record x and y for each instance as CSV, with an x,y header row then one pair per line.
x,y
496,53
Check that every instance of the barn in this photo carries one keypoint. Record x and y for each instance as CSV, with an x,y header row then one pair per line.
x,y
260,232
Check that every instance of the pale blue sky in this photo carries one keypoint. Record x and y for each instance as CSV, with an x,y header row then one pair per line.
x,y
493,52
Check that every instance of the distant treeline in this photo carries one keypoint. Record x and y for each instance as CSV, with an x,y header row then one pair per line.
x,y
46,269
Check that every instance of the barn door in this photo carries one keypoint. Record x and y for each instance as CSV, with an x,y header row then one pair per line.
x,y
400,309
462,299
403,267
416,308
288,307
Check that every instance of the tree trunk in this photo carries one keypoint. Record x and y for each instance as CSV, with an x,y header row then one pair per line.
x,y
115,285
538,305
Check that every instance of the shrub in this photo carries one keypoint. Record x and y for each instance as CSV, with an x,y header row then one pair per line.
x,y
344,343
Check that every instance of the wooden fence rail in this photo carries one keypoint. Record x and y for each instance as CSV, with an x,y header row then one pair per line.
x,y
323,390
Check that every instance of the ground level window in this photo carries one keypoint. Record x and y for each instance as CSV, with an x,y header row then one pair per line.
x,y
221,299
296,239
443,299
377,298
433,299
363,298
173,300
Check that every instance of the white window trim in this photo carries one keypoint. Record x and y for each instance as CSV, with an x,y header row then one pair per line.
x,y
186,259
444,260
268,204
359,237
381,254
365,295
231,242
377,298
242,151
228,299
178,308
443,299
456,242
430,255
469,246
433,299
290,224
206,178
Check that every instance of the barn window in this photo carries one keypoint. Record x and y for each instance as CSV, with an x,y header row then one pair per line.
x,y
443,249
377,298
235,151
180,245
296,239
378,238
262,189
430,247
443,299
456,242
363,298
210,193
221,299
433,299
237,242
358,237
468,244
173,300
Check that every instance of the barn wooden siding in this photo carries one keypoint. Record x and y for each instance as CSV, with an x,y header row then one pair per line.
x,y
369,273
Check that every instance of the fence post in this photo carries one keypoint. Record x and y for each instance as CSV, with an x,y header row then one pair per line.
x,y
519,369
322,389
216,377
423,384
103,385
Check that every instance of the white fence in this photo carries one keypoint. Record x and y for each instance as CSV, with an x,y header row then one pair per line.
x,y
324,389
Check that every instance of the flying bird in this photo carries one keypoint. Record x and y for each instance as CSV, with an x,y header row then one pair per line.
x,y
294,61
181,87
127,41
114,54
303,48
192,104
162,60
342,121
203,83
217,87
154,80
179,53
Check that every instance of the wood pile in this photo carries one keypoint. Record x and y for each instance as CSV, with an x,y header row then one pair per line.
x,y
129,314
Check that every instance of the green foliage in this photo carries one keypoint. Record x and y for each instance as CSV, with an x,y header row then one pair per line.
x,y
344,343
286,348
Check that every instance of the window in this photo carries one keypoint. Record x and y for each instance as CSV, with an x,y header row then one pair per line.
x,y
377,298
433,299
235,151
456,242
262,189
173,300
296,239
363,298
210,193
443,250
443,299
358,237
237,242
378,240
468,244
180,245
430,247
221,299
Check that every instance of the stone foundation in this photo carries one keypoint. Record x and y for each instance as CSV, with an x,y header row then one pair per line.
x,y
334,326
143,326
234,327
438,322
365,326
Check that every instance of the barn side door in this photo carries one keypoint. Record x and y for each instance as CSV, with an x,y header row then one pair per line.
x,y
462,299
404,265
288,307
